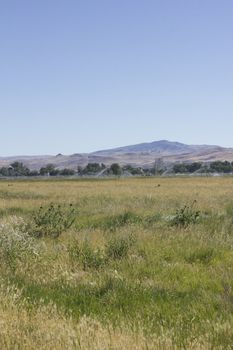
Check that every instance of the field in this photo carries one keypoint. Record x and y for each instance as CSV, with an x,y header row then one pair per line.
x,y
144,263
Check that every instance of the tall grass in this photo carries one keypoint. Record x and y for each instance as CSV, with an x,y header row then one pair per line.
x,y
140,268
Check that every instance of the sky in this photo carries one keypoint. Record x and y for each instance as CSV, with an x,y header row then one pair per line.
x,y
84,75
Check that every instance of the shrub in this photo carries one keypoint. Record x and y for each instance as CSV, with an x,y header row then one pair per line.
x,y
52,220
15,242
185,216
118,247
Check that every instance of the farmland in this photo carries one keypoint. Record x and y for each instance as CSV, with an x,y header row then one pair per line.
x,y
138,263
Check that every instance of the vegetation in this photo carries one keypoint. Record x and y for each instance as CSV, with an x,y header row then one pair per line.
x,y
185,216
92,169
52,220
115,169
187,168
136,263
18,169
213,167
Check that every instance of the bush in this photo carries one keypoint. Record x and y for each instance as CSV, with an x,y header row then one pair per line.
x,y
52,220
185,216
15,242
118,247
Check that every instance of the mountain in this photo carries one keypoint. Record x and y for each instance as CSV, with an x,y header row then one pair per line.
x,y
143,154
162,147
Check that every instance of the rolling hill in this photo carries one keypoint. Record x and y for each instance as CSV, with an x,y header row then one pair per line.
x,y
143,154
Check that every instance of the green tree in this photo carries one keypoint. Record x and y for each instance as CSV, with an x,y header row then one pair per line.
x,y
180,168
4,171
221,167
49,169
19,169
116,169
67,172
93,168
193,167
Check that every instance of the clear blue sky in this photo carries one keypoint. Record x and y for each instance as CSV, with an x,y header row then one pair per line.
x,y
83,75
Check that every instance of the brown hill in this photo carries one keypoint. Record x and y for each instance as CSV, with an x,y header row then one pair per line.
x,y
144,154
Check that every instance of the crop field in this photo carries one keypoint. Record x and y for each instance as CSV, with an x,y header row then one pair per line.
x,y
138,263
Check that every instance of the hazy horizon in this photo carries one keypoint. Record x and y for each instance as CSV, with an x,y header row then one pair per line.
x,y
81,76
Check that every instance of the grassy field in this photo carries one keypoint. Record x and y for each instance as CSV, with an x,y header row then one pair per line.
x,y
146,264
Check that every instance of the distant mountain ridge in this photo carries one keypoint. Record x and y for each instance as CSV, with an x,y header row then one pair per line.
x,y
162,146
143,154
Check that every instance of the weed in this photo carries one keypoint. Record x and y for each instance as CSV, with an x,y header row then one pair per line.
x,y
185,216
52,220
15,243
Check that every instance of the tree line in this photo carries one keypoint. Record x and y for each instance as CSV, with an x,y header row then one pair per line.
x,y
213,167
19,169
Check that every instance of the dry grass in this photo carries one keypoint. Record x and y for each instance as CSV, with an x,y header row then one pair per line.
x,y
47,329
172,289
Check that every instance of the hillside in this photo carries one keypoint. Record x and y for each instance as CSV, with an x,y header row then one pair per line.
x,y
143,154
160,147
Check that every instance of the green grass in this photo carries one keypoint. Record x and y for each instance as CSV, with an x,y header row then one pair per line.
x,y
124,262
19,195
